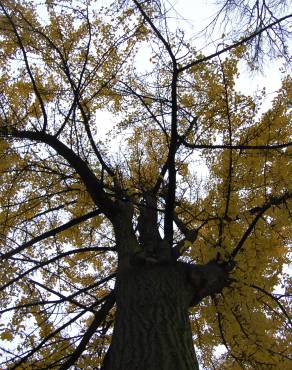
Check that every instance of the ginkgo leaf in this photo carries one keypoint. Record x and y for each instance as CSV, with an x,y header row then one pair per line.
x,y
6,335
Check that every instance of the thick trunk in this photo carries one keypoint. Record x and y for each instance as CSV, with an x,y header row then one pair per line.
x,y
152,329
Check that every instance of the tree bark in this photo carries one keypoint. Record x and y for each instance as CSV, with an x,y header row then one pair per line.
x,y
152,329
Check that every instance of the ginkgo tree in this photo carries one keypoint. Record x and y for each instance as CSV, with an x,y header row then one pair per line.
x,y
115,252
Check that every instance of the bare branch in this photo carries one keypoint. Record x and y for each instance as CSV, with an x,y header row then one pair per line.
x,y
238,43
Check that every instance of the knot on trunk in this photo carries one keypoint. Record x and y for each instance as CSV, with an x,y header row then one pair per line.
x,y
209,279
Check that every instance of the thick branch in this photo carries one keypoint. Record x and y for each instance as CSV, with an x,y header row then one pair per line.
x,y
120,213
93,185
174,143
208,279
230,159
170,197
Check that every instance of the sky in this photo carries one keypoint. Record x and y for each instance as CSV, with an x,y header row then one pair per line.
x,y
193,16
196,16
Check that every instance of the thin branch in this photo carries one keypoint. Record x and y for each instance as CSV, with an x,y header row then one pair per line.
x,y
238,43
276,300
29,71
156,31
99,317
221,330
237,147
51,335
261,210
49,261
50,233
64,298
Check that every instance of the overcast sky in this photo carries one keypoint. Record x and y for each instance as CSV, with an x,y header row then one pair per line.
x,y
197,15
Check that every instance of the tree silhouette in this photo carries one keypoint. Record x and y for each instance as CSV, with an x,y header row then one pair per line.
x,y
116,253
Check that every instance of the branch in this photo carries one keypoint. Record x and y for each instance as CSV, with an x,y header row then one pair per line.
x,y
156,31
236,147
261,210
170,197
99,317
147,224
221,330
190,236
51,335
174,144
164,167
32,304
276,300
76,87
51,233
146,106
49,261
230,159
64,298
242,41
209,279
92,184
35,88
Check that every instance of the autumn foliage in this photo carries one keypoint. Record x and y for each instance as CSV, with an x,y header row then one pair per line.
x,y
188,163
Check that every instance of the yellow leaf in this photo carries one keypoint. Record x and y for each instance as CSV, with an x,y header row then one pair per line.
x,y
6,335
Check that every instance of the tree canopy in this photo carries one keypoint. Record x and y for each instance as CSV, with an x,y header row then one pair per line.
x,y
190,164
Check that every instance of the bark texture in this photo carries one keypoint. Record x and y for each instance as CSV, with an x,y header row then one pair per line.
x,y
152,329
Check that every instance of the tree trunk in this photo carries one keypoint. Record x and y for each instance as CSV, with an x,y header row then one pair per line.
x,y
152,329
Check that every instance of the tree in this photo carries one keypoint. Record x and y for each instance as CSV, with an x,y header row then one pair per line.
x,y
122,259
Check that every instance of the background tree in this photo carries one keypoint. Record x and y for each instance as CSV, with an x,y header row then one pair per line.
x,y
131,252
